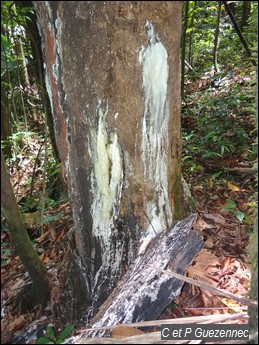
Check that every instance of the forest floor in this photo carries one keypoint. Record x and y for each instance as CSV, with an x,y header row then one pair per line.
x,y
218,165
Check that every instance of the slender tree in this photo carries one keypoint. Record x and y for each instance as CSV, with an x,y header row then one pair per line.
x,y
246,10
41,284
191,33
216,39
186,13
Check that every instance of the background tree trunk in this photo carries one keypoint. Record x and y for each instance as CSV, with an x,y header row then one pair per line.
x,y
193,15
5,123
245,14
113,78
216,39
33,35
185,27
40,292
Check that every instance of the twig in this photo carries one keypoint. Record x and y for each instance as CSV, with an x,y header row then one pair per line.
x,y
243,300
183,320
149,221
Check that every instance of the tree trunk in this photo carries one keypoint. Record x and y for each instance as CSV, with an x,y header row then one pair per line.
x,y
38,72
5,123
245,14
40,292
185,27
216,39
191,33
113,77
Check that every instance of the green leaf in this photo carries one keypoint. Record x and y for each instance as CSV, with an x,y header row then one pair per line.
x,y
248,219
187,157
51,218
217,174
56,170
230,205
252,204
189,30
50,332
43,340
240,215
66,331
7,252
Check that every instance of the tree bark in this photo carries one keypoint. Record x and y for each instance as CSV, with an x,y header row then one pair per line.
x,y
33,35
113,76
185,27
191,33
216,39
245,14
40,292
5,123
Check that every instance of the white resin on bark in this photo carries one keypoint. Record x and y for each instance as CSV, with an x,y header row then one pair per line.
x,y
106,177
155,140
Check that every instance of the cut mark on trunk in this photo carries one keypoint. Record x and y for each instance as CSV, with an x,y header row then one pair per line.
x,y
106,176
154,59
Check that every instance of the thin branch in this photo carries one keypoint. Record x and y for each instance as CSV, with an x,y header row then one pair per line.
x,y
240,35
243,300
182,320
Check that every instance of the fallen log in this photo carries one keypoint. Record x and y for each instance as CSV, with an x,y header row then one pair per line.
x,y
144,292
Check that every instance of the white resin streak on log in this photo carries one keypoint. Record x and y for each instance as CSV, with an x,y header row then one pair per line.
x,y
155,130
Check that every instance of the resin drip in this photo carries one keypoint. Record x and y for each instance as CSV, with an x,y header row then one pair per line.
x,y
154,59
106,181
106,177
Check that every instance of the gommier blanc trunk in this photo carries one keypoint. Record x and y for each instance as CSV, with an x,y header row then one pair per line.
x,y
112,71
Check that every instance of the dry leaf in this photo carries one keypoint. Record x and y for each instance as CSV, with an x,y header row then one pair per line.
x,y
200,224
209,243
124,331
216,218
17,323
206,264
17,285
211,182
225,264
233,187
43,236
46,259
232,305
53,233
55,294
60,235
